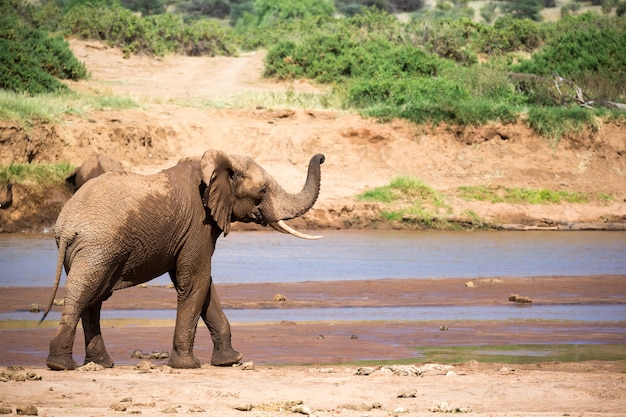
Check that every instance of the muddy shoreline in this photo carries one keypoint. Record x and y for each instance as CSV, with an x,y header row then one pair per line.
x,y
328,342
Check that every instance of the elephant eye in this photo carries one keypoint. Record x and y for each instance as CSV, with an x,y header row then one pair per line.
x,y
263,191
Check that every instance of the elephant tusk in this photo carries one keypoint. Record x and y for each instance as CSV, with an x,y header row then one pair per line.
x,y
283,227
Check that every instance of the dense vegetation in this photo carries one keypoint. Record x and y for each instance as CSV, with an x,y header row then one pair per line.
x,y
439,65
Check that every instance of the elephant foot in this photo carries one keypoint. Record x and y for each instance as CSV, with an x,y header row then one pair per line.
x,y
103,360
183,361
96,352
226,357
61,362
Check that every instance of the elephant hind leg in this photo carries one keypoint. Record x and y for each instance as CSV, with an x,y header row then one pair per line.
x,y
60,354
94,344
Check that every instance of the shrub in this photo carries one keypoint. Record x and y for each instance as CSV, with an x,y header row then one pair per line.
x,y
156,35
32,60
589,47
509,35
268,12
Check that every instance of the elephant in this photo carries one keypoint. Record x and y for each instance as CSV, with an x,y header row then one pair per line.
x,y
91,168
123,229
8,201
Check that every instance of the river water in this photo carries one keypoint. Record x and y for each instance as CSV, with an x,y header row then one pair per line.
x,y
253,257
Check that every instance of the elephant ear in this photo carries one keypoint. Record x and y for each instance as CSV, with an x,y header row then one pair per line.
x,y
219,198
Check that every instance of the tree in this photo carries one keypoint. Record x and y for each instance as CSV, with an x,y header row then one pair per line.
x,y
145,7
523,9
268,11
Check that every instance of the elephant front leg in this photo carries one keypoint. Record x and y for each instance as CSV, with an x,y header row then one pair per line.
x,y
94,344
217,323
191,296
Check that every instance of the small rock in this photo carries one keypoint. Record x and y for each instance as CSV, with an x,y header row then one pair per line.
x,y
137,354
144,366
166,369
365,370
519,299
197,410
470,284
441,407
280,298
443,328
247,366
402,370
127,400
320,336
407,394
445,407
28,410
400,410
117,407
170,410
354,336
247,407
302,409
450,373
17,377
164,355
34,308
90,367
58,302
288,323
5,410
32,376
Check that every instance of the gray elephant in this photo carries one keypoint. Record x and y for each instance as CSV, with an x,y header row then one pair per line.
x,y
8,201
91,168
122,229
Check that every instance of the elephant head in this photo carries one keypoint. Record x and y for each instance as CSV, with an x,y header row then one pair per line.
x,y
8,201
91,168
238,189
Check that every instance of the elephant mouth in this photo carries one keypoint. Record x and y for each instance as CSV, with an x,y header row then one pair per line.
x,y
283,227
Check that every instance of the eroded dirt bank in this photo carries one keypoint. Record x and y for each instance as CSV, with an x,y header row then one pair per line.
x,y
360,153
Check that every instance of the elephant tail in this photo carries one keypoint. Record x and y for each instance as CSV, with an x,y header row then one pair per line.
x,y
63,243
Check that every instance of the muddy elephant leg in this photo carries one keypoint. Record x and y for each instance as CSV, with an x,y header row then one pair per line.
x,y
60,353
217,323
94,344
191,296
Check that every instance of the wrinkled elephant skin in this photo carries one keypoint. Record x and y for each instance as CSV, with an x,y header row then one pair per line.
x,y
122,229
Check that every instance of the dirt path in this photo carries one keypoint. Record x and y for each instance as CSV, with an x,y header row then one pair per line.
x,y
360,153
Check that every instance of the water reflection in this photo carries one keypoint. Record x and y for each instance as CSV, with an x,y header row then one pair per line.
x,y
251,257
584,313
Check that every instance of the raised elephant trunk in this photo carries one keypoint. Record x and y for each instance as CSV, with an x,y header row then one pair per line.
x,y
294,205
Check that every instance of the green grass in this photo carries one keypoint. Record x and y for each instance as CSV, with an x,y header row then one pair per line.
x,y
410,201
288,99
515,195
40,174
51,108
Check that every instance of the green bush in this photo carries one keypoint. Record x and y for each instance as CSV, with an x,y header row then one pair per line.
x,y
509,35
555,122
588,47
33,61
268,12
158,35
364,92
